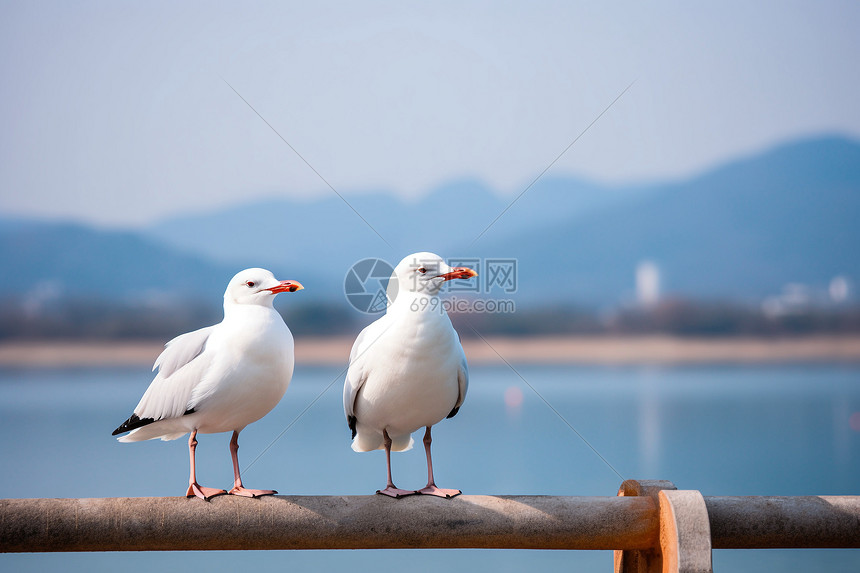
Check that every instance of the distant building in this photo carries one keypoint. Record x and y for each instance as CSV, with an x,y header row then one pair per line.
x,y
795,298
800,298
647,283
839,289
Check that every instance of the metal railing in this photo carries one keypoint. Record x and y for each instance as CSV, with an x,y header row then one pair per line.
x,y
651,525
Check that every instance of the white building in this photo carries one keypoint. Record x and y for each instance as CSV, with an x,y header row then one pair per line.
x,y
647,283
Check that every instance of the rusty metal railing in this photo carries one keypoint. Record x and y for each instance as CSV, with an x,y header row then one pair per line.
x,y
651,525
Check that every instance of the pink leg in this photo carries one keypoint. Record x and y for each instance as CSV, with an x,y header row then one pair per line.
x,y
430,488
194,488
390,490
238,488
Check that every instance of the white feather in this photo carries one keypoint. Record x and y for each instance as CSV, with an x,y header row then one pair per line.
x,y
230,374
407,370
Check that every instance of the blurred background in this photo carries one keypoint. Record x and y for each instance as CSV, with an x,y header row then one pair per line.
x,y
717,195
654,170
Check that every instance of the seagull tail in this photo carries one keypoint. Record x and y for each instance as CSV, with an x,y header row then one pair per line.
x,y
368,441
402,443
152,432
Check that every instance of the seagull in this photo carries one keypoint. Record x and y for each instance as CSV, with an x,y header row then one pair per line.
x,y
407,370
222,377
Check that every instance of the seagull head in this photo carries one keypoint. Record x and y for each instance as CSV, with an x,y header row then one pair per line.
x,y
257,286
425,273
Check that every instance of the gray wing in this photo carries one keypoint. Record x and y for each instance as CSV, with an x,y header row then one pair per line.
x,y
356,374
463,383
181,350
180,368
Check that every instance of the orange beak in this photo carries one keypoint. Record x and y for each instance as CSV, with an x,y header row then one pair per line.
x,y
458,273
286,286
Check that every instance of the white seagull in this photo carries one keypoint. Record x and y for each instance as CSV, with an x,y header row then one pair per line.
x,y
407,370
222,377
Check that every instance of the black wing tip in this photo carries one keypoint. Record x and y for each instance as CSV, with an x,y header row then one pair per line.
x,y
132,423
351,420
453,412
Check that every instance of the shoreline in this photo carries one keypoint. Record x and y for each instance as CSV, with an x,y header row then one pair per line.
x,y
562,350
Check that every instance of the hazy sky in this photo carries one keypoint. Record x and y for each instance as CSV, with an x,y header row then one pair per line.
x,y
116,113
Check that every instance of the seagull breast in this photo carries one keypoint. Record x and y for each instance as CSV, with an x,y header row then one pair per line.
x,y
412,376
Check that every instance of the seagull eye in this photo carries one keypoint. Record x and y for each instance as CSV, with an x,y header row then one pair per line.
x,y
422,270
250,284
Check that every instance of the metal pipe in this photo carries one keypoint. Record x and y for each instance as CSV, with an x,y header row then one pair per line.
x,y
775,522
376,522
327,522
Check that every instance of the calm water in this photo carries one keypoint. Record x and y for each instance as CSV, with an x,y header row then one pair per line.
x,y
721,430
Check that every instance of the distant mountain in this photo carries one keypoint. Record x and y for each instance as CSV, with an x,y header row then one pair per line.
x,y
325,236
67,259
326,233
740,231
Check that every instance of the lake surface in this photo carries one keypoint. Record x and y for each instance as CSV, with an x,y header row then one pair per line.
x,y
724,430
